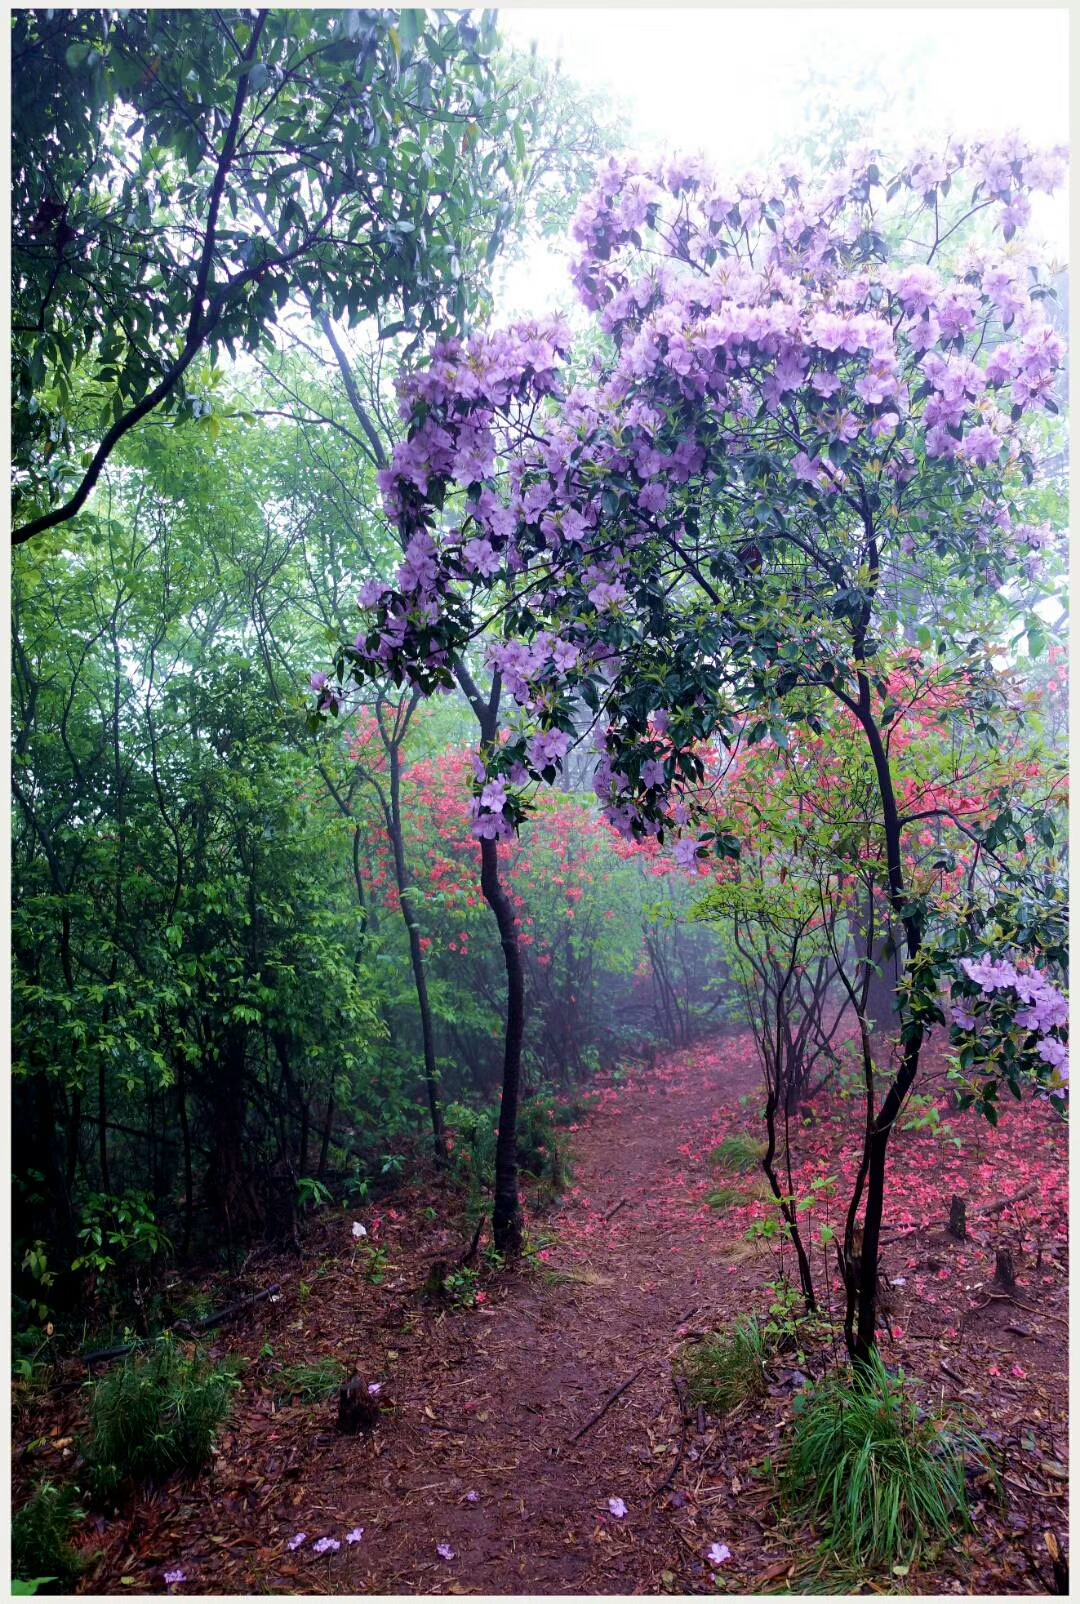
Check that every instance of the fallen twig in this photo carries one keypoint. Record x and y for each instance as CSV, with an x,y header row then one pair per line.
x,y
1003,1202
616,1209
606,1405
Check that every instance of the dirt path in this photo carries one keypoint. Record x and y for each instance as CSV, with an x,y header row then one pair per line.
x,y
487,1446
489,1402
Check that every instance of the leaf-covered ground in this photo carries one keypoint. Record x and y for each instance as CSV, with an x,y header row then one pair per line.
x,y
489,1472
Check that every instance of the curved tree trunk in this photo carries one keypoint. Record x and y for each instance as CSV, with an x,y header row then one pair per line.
x,y
506,1222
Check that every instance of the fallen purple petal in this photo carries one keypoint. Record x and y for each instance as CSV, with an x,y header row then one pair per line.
x,y
472,1498
718,1553
175,1576
445,1550
297,1541
326,1545
374,1387
355,1535
617,1507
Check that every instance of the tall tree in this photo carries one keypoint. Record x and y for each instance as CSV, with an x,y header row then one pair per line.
x,y
181,176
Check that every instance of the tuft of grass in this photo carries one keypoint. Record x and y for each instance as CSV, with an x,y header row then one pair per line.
x,y
724,1197
153,1415
584,1278
876,1472
727,1367
311,1384
41,1548
739,1151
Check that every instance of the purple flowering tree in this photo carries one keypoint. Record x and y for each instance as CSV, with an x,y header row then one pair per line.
x,y
812,402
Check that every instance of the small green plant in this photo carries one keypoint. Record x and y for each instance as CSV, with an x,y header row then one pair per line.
x,y
924,1118
537,1143
461,1287
36,1263
310,1384
877,1472
724,1197
374,1269
727,1367
41,1537
152,1415
311,1194
119,1225
739,1151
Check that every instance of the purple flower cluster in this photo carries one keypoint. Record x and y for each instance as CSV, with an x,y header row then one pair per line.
x,y
1044,1009
757,324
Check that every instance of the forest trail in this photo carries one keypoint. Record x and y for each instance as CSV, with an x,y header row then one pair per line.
x,y
505,1400
483,1400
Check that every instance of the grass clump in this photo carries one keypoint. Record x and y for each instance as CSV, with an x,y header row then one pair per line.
x,y
739,1151
875,1471
153,1415
311,1384
41,1548
727,1367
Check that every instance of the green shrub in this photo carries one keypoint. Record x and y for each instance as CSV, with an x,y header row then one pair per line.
x,y
873,1469
41,1536
739,1151
311,1384
154,1415
727,1367
571,1110
538,1152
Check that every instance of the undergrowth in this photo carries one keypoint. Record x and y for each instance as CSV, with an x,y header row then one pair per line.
x,y
727,1367
877,1473
153,1415
739,1151
41,1548
312,1383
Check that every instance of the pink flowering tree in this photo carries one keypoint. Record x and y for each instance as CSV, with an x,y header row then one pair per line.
x,y
811,404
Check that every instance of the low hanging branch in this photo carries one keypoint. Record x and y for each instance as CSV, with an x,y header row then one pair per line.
x,y
187,1327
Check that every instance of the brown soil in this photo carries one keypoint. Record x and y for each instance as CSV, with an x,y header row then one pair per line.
x,y
501,1399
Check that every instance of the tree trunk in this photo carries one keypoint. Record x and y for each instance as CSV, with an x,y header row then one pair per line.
x,y
416,954
506,1221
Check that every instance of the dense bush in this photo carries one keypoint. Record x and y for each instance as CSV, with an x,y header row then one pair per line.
x,y
875,1470
153,1415
41,1536
727,1367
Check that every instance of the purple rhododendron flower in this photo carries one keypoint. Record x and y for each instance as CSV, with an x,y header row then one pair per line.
x,y
326,1545
355,1535
718,1553
298,1541
175,1576
444,1550
617,1507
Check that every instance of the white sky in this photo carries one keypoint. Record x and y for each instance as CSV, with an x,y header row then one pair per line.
x,y
726,81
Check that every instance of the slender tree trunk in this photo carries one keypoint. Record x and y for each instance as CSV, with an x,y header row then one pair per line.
x,y
185,1132
913,1031
327,1132
506,1223
416,953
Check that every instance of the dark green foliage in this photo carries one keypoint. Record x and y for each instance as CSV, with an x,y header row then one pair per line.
x,y
874,1470
538,1144
726,1367
153,1415
569,1111
41,1536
